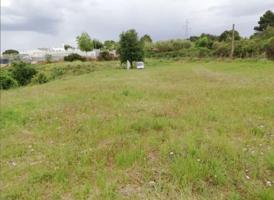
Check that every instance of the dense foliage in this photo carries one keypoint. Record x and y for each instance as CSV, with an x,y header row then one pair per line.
x,y
130,47
10,52
22,72
85,43
6,80
73,57
110,45
105,56
270,49
40,78
97,44
265,21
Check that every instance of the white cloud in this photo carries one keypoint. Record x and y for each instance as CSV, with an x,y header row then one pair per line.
x,y
32,23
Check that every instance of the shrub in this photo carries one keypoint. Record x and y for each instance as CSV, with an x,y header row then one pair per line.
x,y
40,78
105,55
73,57
56,72
172,45
22,72
6,81
203,52
48,58
203,42
221,49
270,49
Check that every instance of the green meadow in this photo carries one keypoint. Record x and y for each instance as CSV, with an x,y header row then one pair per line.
x,y
191,130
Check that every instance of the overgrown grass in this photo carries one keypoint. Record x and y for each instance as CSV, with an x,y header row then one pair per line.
x,y
176,130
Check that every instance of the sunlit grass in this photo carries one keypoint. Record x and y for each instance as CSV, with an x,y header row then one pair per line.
x,y
176,130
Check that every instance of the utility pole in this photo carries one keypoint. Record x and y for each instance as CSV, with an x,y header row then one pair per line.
x,y
232,42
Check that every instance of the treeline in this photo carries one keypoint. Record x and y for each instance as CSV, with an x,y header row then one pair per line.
x,y
207,45
260,44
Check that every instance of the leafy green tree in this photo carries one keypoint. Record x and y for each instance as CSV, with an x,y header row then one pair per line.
x,y
266,20
97,44
22,72
226,36
130,47
67,46
84,42
10,52
146,39
210,36
202,42
110,45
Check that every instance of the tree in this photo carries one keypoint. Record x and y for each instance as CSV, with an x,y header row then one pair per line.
x,y
10,52
67,46
146,39
84,42
226,36
110,45
97,44
266,20
202,42
130,47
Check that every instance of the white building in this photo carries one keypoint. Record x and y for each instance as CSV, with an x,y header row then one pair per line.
x,y
56,53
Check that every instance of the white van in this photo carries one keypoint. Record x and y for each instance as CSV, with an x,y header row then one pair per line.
x,y
140,65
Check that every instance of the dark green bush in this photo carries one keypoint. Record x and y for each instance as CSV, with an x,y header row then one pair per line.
x,y
40,78
22,72
73,57
270,49
105,55
6,81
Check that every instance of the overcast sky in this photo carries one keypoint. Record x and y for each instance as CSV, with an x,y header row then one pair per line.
x,y
28,24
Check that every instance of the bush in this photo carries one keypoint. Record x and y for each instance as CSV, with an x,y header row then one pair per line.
x,y
48,58
221,49
6,81
40,78
73,57
270,49
56,72
22,72
105,55
172,45
204,42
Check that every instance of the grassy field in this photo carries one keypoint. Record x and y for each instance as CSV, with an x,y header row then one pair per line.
x,y
176,130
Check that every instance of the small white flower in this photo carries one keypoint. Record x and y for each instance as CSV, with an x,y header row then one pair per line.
x,y
151,183
247,177
171,153
268,183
